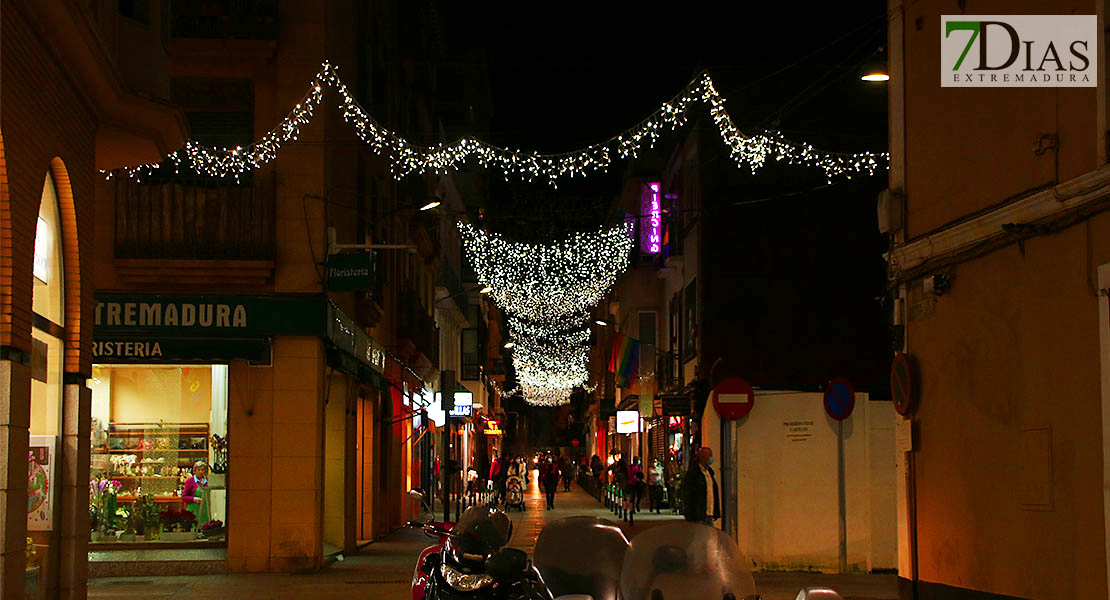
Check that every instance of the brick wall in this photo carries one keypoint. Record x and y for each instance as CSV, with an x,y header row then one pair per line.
x,y
46,128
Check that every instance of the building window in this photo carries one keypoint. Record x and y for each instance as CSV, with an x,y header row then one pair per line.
x,y
471,355
136,10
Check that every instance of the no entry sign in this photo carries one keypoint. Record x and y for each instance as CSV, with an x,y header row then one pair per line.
x,y
733,398
840,398
901,384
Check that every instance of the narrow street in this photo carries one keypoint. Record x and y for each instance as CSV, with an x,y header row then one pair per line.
x,y
383,569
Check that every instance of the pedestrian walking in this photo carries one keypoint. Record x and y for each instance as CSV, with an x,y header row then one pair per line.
x,y
636,483
565,467
549,480
655,487
701,499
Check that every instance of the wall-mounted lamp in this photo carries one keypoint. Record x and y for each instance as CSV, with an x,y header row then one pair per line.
x,y
508,345
485,290
430,205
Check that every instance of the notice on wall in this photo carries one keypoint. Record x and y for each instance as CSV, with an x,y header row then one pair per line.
x,y
798,431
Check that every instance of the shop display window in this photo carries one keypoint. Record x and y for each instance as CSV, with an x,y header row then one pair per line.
x,y
159,453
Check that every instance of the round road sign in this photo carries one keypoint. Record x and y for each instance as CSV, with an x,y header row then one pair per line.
x,y
901,384
840,398
733,398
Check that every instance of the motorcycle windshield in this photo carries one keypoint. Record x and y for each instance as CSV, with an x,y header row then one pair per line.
x,y
581,555
685,560
481,531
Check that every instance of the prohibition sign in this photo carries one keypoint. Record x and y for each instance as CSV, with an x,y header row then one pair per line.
x,y
840,398
901,384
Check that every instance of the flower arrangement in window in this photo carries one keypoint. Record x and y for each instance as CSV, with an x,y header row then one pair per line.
x,y
219,453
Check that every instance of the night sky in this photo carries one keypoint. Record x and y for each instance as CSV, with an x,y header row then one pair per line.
x,y
574,74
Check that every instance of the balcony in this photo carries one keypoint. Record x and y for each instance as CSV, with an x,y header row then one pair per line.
x,y
415,325
225,19
178,235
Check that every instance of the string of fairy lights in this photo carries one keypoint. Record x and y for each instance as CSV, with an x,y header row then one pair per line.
x,y
753,151
547,290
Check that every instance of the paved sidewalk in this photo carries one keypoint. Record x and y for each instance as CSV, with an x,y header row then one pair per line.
x,y
383,570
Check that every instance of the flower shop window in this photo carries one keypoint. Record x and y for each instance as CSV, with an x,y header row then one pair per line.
x,y
159,453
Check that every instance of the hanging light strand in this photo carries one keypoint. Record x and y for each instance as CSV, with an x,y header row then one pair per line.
x,y
407,158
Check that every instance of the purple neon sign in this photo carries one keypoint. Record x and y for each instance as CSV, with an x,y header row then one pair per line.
x,y
651,220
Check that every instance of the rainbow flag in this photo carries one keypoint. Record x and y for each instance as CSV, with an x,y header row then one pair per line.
x,y
625,360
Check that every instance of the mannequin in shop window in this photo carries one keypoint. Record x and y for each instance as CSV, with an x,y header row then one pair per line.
x,y
195,491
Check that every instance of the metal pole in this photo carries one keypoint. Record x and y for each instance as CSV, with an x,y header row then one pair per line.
x,y
444,482
841,501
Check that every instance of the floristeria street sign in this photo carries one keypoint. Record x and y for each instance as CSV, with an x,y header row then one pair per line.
x,y
352,271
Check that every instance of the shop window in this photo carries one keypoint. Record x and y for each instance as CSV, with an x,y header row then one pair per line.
x,y
151,426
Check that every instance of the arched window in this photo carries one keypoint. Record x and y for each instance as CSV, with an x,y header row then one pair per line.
x,y
48,321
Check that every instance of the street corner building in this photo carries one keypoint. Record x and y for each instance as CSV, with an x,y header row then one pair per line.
x,y
202,374
1000,264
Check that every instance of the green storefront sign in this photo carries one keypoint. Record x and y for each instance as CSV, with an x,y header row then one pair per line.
x,y
209,315
180,350
137,328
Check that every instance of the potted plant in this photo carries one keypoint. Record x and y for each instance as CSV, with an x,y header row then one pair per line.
x,y
178,525
213,529
148,516
102,504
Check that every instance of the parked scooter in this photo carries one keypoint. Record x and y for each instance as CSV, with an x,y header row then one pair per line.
x,y
586,558
456,567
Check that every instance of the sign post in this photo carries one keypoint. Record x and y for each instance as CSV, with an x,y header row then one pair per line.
x,y
446,382
840,401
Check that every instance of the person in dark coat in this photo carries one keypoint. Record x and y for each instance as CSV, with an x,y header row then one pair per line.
x,y
549,479
701,498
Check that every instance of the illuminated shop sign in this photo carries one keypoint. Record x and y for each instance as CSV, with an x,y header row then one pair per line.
x,y
628,421
651,220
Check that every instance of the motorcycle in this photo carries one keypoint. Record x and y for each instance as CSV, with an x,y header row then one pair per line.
x,y
456,567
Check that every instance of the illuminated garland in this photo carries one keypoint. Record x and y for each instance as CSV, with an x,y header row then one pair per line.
x,y
547,290
407,157
549,283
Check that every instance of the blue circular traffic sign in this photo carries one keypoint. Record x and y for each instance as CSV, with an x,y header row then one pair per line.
x,y
840,398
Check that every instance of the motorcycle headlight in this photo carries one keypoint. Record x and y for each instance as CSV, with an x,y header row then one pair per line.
x,y
464,582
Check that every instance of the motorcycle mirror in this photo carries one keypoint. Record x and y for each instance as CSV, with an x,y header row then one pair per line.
x,y
414,524
818,593
507,565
